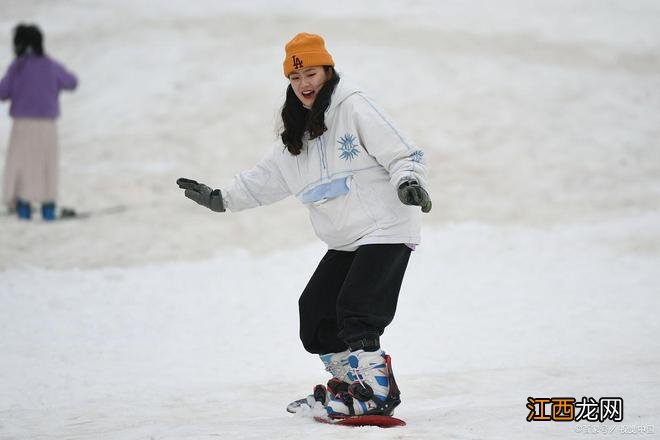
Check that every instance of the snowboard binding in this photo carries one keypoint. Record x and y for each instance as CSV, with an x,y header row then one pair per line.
x,y
358,397
363,394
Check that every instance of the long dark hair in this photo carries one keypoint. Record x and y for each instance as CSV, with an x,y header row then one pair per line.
x,y
28,39
298,120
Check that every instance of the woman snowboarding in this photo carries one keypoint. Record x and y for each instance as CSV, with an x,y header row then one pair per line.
x,y
363,183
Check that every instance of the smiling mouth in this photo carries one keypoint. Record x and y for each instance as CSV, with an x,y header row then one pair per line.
x,y
308,94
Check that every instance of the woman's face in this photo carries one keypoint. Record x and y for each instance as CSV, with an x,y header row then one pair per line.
x,y
307,82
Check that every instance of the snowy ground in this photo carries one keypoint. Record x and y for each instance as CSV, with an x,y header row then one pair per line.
x,y
538,275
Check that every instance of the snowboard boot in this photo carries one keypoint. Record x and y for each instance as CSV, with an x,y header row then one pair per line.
x,y
335,364
24,209
372,391
48,212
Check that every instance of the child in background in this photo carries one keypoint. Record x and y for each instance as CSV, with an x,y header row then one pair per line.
x,y
32,83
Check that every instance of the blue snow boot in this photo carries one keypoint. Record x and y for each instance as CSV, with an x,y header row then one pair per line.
x,y
372,390
335,364
48,211
23,209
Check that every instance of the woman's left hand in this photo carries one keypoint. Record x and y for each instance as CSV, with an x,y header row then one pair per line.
x,y
412,193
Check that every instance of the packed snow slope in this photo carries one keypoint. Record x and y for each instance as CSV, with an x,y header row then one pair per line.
x,y
538,273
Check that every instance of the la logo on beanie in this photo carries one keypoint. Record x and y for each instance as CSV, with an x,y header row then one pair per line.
x,y
305,50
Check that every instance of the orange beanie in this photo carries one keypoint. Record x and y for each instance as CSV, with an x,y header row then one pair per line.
x,y
306,50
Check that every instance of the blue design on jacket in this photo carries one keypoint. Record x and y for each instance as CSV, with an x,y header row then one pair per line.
x,y
417,156
348,147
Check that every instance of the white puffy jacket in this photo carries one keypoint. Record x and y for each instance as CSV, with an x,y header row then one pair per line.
x,y
347,178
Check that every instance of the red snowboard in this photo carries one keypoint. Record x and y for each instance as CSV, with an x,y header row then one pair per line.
x,y
380,421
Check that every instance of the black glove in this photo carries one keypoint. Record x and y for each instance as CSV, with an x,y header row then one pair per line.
x,y
411,193
202,194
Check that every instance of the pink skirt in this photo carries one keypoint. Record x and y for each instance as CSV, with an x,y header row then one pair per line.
x,y
31,169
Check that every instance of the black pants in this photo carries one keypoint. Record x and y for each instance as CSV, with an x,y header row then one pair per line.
x,y
351,296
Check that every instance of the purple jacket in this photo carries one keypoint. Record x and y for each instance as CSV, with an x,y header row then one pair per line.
x,y
33,84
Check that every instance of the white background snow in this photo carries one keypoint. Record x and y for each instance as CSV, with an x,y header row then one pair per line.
x,y
539,272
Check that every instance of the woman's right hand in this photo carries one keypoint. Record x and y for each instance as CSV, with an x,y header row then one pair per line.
x,y
202,194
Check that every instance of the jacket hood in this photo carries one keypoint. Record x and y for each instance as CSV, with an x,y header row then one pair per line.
x,y
343,90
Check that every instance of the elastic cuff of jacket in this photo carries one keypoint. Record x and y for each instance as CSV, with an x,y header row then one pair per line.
x,y
407,181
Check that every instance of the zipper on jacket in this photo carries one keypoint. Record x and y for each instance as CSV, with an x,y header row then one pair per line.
x,y
323,157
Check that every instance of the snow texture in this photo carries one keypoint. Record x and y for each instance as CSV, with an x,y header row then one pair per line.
x,y
538,272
